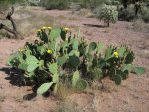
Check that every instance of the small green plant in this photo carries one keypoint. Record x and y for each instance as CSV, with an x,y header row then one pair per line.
x,y
108,14
58,57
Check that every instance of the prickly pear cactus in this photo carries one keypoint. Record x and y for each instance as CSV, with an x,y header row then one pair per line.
x,y
75,78
59,56
81,84
44,88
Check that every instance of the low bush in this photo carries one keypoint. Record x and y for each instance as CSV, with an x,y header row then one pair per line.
x,y
145,14
58,56
127,14
64,4
56,4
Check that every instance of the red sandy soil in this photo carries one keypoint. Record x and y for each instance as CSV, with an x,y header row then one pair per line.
x,y
131,96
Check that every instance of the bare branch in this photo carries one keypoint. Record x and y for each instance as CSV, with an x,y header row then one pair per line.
x,y
10,13
9,17
2,26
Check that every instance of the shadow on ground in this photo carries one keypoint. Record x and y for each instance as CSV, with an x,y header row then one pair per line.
x,y
29,97
14,76
92,25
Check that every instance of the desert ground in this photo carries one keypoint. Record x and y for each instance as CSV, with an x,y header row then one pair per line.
x,y
131,96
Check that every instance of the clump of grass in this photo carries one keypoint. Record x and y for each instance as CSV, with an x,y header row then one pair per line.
x,y
68,107
73,19
139,25
85,12
62,17
72,106
2,97
63,92
18,98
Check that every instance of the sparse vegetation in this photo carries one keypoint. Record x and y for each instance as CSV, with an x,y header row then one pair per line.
x,y
136,10
139,25
58,4
128,10
68,107
77,67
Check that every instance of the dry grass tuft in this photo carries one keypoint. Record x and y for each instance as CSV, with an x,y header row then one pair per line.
x,y
2,97
67,107
140,26
63,92
85,12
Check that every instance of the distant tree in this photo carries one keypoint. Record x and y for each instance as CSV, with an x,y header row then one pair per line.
x,y
108,14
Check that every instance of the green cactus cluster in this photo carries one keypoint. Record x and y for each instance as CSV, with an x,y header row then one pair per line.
x,y
57,56
107,13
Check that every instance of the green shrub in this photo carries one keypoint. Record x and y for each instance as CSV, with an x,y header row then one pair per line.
x,y
59,57
56,4
33,2
4,4
91,4
107,13
64,4
127,14
145,14
115,2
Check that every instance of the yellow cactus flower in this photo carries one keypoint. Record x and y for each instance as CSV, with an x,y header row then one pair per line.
x,y
116,54
49,51
21,50
50,28
44,28
67,29
39,30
